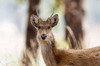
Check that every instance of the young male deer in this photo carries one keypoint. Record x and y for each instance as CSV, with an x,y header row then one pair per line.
x,y
57,57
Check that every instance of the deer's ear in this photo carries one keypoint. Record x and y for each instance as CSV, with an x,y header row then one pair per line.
x,y
54,20
34,20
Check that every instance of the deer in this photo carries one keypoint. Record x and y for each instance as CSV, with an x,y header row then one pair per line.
x,y
74,14
58,57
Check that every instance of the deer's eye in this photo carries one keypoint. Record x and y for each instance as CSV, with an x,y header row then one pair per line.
x,y
48,27
39,27
54,19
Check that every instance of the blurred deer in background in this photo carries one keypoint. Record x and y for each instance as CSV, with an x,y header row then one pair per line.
x,y
73,16
56,57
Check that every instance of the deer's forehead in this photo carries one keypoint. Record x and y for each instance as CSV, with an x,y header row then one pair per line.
x,y
44,23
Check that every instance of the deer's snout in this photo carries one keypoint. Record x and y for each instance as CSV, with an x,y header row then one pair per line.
x,y
43,36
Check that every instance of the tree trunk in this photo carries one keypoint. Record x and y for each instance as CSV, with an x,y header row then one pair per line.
x,y
73,17
31,31
29,57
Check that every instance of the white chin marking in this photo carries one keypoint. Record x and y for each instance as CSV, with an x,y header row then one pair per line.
x,y
40,60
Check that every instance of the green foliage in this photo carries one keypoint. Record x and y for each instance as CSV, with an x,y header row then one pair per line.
x,y
59,6
63,44
20,1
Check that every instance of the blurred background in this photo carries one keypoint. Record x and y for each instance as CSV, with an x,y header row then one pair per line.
x,y
78,27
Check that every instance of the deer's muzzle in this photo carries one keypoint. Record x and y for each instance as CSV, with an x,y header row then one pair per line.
x,y
43,36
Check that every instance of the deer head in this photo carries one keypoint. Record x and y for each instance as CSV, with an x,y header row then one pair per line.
x,y
44,27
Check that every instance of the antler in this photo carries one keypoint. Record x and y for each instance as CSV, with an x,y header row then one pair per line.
x,y
53,12
37,12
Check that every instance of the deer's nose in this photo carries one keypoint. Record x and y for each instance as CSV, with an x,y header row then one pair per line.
x,y
43,36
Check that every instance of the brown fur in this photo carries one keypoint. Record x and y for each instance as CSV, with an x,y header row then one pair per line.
x,y
29,56
85,57
56,57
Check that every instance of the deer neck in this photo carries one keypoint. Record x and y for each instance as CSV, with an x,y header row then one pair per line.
x,y
47,52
